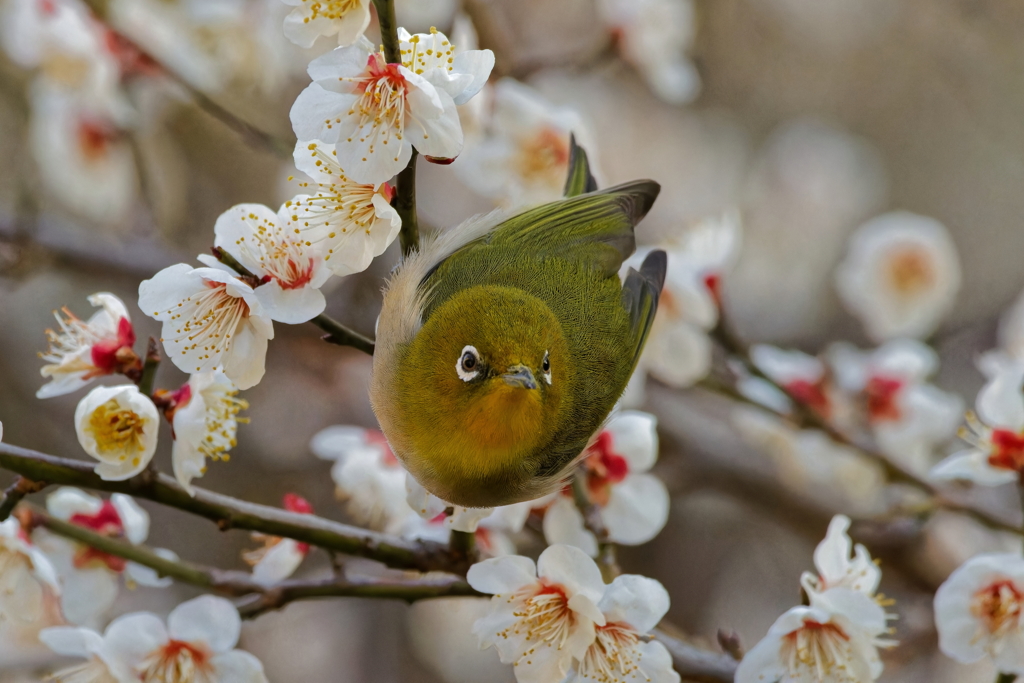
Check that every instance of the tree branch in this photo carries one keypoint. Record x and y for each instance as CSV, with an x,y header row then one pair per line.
x,y
231,513
236,583
21,487
695,664
341,335
808,419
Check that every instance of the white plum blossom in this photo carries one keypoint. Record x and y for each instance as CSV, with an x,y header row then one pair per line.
x,y
26,574
205,420
654,36
633,504
837,568
83,350
836,638
90,578
907,416
211,319
814,645
118,426
523,157
367,476
82,643
352,223
375,113
273,249
978,612
900,276
632,605
544,615
314,18
279,557
996,441
197,644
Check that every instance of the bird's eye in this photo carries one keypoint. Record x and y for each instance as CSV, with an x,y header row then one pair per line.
x,y
468,365
546,367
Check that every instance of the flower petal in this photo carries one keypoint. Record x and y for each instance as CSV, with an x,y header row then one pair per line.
x,y
502,575
572,569
206,619
636,600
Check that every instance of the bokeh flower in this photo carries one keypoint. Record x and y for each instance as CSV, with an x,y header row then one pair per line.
x,y
978,612
91,578
26,574
633,504
900,276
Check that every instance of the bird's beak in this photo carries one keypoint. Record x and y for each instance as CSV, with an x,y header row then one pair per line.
x,y
520,376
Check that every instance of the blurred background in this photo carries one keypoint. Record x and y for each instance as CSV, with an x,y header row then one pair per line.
x,y
810,116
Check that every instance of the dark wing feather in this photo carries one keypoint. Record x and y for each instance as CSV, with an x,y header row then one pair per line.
x,y
640,293
579,180
595,230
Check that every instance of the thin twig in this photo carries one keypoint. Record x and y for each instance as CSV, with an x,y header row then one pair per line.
x,y
591,511
405,205
149,368
235,583
462,544
405,186
231,513
13,494
342,335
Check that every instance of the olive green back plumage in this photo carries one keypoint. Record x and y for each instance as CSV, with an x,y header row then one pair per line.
x,y
569,254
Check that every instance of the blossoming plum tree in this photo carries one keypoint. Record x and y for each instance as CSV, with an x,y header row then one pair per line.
x,y
845,421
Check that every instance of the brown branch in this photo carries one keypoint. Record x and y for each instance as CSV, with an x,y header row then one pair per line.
x,y
806,418
231,513
695,664
13,494
342,335
235,583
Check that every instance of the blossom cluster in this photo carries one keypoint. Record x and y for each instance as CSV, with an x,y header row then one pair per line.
x,y
835,636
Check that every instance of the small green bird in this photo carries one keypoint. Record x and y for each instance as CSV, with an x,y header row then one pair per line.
x,y
503,344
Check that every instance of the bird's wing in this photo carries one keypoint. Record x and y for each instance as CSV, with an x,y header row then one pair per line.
x,y
593,229
640,293
580,180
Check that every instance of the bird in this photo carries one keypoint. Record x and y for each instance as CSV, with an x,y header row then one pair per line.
x,y
504,343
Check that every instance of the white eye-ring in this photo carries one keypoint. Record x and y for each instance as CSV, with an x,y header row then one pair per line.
x,y
546,367
468,365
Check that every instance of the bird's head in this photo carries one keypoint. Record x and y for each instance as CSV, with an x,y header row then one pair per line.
x,y
485,381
